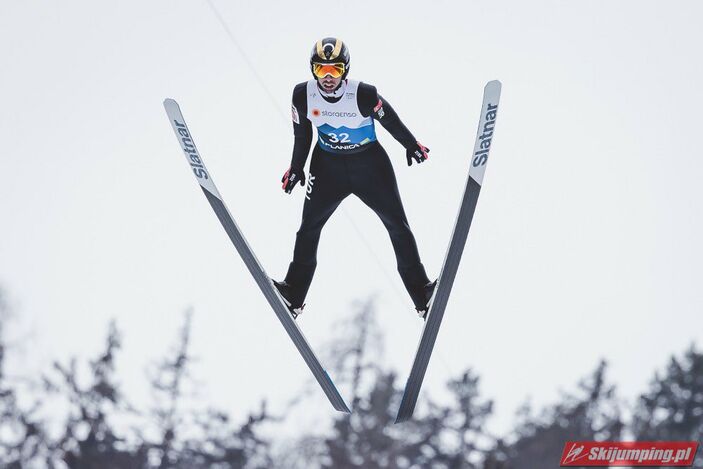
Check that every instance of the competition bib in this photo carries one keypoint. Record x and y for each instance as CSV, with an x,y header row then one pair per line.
x,y
340,126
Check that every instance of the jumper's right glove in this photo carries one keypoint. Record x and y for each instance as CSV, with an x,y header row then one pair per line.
x,y
417,152
292,177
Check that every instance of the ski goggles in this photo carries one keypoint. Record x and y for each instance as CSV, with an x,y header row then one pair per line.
x,y
322,70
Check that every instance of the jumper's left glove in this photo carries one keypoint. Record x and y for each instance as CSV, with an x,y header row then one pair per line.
x,y
417,152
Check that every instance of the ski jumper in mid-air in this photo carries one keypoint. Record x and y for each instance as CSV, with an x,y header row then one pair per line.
x,y
347,159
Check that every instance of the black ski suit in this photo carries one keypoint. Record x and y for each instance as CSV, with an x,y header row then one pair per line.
x,y
369,175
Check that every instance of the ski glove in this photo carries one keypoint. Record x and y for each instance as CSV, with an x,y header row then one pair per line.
x,y
291,178
417,152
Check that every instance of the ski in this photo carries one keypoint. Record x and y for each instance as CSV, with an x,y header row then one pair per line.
x,y
477,168
204,178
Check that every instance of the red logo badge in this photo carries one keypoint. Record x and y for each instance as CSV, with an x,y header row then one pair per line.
x,y
316,112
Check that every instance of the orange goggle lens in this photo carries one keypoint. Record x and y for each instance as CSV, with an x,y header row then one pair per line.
x,y
322,70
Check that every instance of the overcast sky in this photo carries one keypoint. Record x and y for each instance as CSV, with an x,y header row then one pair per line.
x,y
586,242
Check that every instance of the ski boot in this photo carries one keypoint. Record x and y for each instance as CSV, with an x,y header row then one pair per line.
x,y
284,289
429,290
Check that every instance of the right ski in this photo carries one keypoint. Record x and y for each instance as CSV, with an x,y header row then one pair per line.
x,y
477,168
185,139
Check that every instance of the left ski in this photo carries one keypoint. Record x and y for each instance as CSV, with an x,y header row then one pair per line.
x,y
479,158
185,138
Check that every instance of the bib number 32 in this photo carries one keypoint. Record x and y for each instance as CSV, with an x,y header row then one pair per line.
x,y
339,138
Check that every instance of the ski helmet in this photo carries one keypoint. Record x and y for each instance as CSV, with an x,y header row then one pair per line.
x,y
327,51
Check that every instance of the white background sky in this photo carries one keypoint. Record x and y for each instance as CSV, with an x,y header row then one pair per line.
x,y
585,244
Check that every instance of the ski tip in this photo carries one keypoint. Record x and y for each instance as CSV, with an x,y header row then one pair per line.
x,y
401,418
170,102
493,84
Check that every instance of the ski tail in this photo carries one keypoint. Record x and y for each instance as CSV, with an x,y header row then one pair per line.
x,y
477,168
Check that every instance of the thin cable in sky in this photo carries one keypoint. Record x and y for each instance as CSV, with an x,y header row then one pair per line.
x,y
245,57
